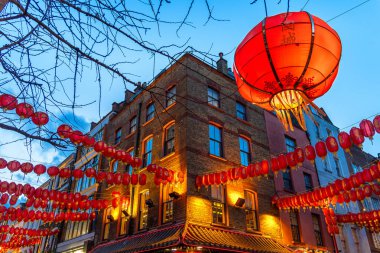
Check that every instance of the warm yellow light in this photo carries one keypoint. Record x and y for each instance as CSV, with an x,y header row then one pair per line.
x,y
233,196
115,213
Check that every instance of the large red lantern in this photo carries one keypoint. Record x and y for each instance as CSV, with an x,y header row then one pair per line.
x,y
39,169
65,173
26,168
273,164
142,179
13,166
320,148
40,118
53,171
299,156
126,179
310,153
8,102
3,163
64,131
376,123
345,141
332,144
291,160
357,136
367,128
134,179
76,137
88,141
78,174
24,110
286,62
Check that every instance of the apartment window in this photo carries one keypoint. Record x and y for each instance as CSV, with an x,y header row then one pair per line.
x,y
245,151
129,167
251,210
115,164
107,223
287,178
143,212
218,204
147,156
317,229
215,135
169,140
171,96
150,112
355,236
117,136
294,225
308,182
337,166
213,97
241,111
290,144
167,203
133,125
85,182
375,203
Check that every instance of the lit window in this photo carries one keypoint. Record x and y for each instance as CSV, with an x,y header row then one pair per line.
x,y
150,112
294,225
215,135
167,203
290,144
147,156
317,229
245,153
241,111
107,223
213,97
308,182
169,140
250,210
143,212
123,223
287,178
218,204
117,136
171,96
133,125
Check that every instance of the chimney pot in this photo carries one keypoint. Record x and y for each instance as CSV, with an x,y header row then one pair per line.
x,y
221,64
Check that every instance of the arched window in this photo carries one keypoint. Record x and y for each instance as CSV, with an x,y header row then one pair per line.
x,y
251,210
169,139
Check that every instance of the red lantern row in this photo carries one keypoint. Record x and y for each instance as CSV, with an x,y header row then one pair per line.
x,y
29,232
370,219
164,175
25,168
18,214
338,189
24,110
331,221
77,138
17,242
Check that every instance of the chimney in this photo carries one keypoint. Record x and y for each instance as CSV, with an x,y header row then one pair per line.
x,y
115,107
128,95
221,65
140,87
93,124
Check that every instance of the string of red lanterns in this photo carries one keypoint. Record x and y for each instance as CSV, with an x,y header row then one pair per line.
x,y
17,242
365,219
78,138
297,157
331,221
6,229
164,175
24,110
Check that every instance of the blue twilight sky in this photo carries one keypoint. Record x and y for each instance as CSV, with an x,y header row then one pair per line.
x,y
354,95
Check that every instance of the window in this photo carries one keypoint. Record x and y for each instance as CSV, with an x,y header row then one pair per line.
x,y
290,144
241,111
356,168
143,212
218,204
375,203
85,182
169,140
245,153
356,237
250,210
115,164
171,96
215,135
129,167
147,156
337,166
317,229
286,176
149,112
133,125
308,182
107,223
213,97
117,136
295,226
167,203
123,223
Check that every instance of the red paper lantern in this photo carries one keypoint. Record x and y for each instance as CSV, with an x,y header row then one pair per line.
x,y
347,184
115,203
142,179
152,168
223,177
287,61
100,176
274,165
310,153
244,174
211,178
13,166
88,141
321,150
299,156
375,173
76,137
39,169
65,173
26,168
90,172
345,141
367,177
376,124
117,178
8,102
109,178
126,179
40,118
78,174
3,163
134,179
64,131
53,171
360,194
24,110
291,160
376,189
332,144
357,136
367,128
282,163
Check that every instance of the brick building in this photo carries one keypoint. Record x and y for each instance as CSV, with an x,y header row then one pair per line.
x,y
302,230
189,119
